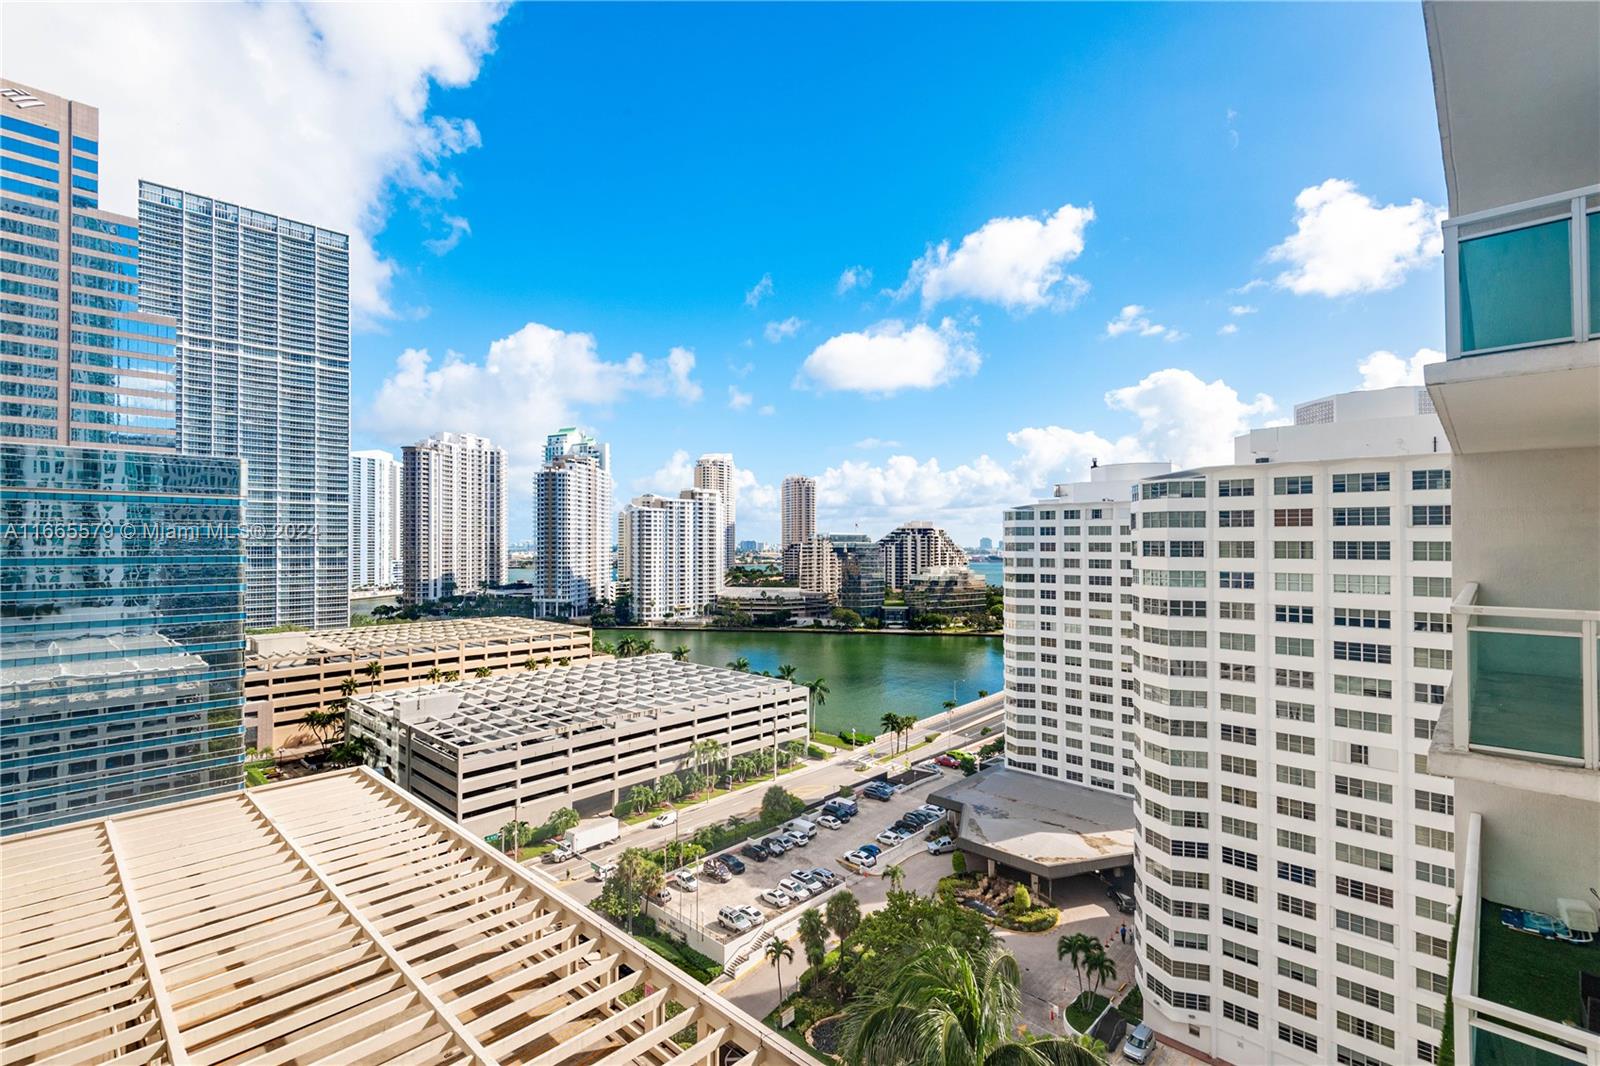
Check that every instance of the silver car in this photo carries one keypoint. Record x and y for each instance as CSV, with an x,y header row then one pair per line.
x,y
1141,1045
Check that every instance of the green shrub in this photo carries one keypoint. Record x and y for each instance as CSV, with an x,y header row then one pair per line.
x,y
1036,920
846,792
958,862
1132,1006
1021,900
815,752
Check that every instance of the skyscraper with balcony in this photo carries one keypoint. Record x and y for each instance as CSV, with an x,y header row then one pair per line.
x,y
798,510
1517,88
671,552
1291,648
715,472
913,547
121,570
572,524
262,305
452,516
374,520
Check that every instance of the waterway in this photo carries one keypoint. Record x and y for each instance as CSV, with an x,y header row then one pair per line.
x,y
867,674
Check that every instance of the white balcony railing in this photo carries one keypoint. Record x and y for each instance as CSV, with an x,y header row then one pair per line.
x,y
1483,1026
1519,276
1525,681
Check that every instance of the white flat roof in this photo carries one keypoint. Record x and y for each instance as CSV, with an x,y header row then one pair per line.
x,y
1042,826
377,640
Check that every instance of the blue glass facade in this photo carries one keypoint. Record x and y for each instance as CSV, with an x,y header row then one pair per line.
x,y
121,631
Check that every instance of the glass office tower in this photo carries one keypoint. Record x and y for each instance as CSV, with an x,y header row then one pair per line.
x,y
121,571
262,305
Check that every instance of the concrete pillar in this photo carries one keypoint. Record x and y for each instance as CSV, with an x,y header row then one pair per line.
x,y
1033,881
991,867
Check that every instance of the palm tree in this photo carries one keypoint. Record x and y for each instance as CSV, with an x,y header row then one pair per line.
x,y
896,876
740,664
532,663
434,674
890,722
1076,948
482,671
641,798
843,915
819,692
950,1008
814,937
949,705
778,952
670,788
1099,968
375,672
452,675
680,653
348,686
786,671
908,722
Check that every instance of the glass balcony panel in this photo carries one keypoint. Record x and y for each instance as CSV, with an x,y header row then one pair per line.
x,y
1493,1049
1527,692
1594,273
1516,287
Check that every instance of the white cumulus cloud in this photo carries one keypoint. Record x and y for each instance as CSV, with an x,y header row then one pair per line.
x,y
319,112
1345,242
1227,329
1385,370
852,278
777,331
526,385
738,399
1237,310
1018,263
890,356
1136,320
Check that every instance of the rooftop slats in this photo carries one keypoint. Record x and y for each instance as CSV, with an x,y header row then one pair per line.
x,y
329,920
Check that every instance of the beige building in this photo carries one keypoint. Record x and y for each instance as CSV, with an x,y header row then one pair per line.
x,y
288,674
331,919
799,510
947,589
524,744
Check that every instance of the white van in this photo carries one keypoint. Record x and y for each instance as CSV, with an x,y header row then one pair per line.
x,y
801,827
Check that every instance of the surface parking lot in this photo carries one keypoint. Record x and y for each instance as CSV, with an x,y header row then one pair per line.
x,y
826,850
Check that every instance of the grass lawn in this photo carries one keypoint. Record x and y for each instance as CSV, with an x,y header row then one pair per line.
x,y
1082,1011
698,966
1528,972
536,850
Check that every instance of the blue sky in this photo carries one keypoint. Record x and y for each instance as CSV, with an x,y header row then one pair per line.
x,y
550,190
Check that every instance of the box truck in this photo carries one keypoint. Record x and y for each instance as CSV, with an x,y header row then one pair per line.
x,y
596,833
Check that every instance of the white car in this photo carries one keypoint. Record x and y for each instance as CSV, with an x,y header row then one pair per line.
x,y
809,879
777,897
605,871
890,837
861,858
663,897
752,913
828,821
665,818
795,889
942,846
734,919
933,809
685,880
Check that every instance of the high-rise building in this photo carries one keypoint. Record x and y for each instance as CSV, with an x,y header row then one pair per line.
x,y
452,516
1291,647
1068,593
915,547
374,520
671,551
799,510
716,472
986,544
861,584
1517,89
572,524
121,567
816,565
262,305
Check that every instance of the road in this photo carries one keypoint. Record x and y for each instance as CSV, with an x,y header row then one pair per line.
x,y
958,728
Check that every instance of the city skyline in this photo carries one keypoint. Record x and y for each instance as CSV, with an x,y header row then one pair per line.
x,y
1054,301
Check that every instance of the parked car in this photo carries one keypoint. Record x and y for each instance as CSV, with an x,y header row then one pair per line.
x,y
891,837
731,861
1141,1045
604,871
948,761
755,851
826,876
774,845
799,891
980,906
871,849
794,840
685,880
906,827
861,858
942,846
663,896
828,821
665,818
933,809
928,764
734,920
807,878
777,897
800,827
559,853
753,913
1124,902
841,808
715,871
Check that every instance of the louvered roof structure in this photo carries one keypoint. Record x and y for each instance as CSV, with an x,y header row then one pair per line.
x,y
331,919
